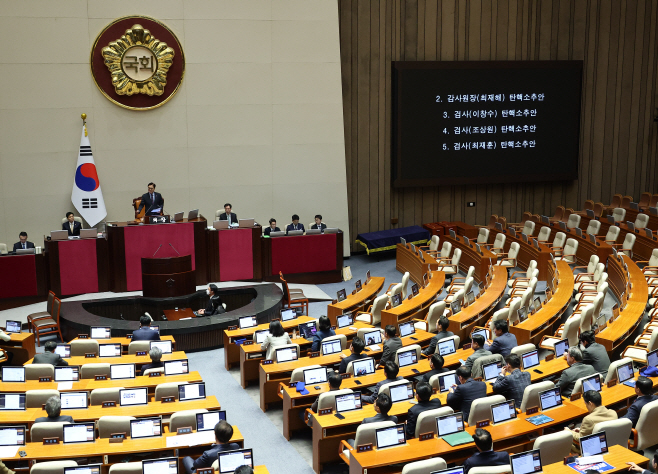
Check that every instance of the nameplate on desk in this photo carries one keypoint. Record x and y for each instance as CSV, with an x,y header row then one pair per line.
x,y
129,336
267,362
466,346
83,336
45,379
140,353
333,328
292,384
205,470
257,356
325,411
109,404
483,423
232,328
184,430
100,377
311,355
353,292
410,296
155,374
345,376
51,440
334,301
426,436
612,383
549,357
531,411
90,355
362,448
117,437
247,343
575,396
169,399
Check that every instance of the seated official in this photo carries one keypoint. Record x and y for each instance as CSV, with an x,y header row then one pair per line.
x,y
214,303
461,397
272,227
318,223
643,389
597,414
436,366
477,344
71,225
335,380
391,371
295,224
276,337
575,371
244,469
356,348
152,202
485,456
594,353
49,356
156,360
23,242
512,382
443,324
229,216
423,394
382,406
635,468
324,331
504,342
391,345
54,409
223,435
145,333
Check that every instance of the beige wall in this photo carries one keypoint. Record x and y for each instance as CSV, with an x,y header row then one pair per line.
x,y
258,121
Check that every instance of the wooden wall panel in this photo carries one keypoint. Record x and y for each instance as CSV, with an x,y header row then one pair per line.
x,y
616,40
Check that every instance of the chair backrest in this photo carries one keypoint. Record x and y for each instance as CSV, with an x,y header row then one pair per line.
x,y
499,243
653,341
89,371
408,348
629,242
75,218
593,262
184,418
570,330
531,394
612,369
523,348
570,249
405,285
481,408
514,306
365,434
397,289
136,346
328,399
48,429
602,285
616,431
51,467
80,347
544,233
612,234
503,221
528,293
554,447
483,235
468,285
513,250
3,249
641,221
528,228
153,371
377,306
433,315
272,349
626,201
589,204
456,256
532,266
647,434
476,371
503,468
559,213
36,398
434,243
594,227
653,260
598,272
619,214
49,302
459,296
57,307
560,238
654,200
298,374
470,272
598,306
492,221
574,221
167,389
34,371
446,248
616,200
426,421
113,424
425,466
500,314
586,318
126,468
109,394
645,199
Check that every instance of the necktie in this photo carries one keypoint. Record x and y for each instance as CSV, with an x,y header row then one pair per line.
x,y
23,244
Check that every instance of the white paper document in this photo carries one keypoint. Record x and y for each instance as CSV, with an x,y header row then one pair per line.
x,y
64,386
7,452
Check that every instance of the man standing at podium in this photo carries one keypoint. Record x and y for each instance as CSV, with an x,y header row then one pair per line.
x,y
152,201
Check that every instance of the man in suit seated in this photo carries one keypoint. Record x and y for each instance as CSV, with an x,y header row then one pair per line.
x,y
53,409
594,354
151,201
643,389
356,348
391,344
512,382
23,242
156,360
318,223
244,469
214,303
423,394
485,456
223,435
391,371
382,406
633,467
295,224
436,366
72,226
575,371
229,216
504,342
49,356
272,227
145,333
443,324
477,344
460,397
597,414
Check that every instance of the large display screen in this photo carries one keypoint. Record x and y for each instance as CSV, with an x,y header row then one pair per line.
x,y
485,122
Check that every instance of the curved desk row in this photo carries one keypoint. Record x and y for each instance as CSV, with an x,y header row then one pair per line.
x,y
526,253
585,247
356,301
417,306
643,244
416,264
471,258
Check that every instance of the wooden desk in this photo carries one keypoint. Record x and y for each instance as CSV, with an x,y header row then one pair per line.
x,y
125,342
177,315
417,307
470,257
631,215
124,359
527,252
617,457
643,245
585,248
356,302
467,230
542,322
407,261
21,345
616,333
68,276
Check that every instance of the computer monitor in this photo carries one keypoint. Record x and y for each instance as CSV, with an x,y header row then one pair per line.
x,y
99,332
122,371
536,305
86,469
13,374
146,427
447,380
348,402
331,347
223,225
165,346
160,466
529,360
414,289
69,373
593,382
208,420
12,435
246,223
648,232
528,462
446,347
247,322
535,243
191,391
286,354
308,330
481,332
260,336
396,300
652,360
625,372
32,251
363,367
408,357
12,327
401,392
522,313
372,337
63,350
469,298
406,329
594,444
155,328
79,433
561,347
176,367
315,376
491,371
579,231
109,350
545,219
341,295
452,233
550,398
288,314
563,225
449,424
74,400
133,396
344,320
358,285
12,401
503,411
455,306
452,470
390,436
512,231
294,232
630,225
178,216
229,461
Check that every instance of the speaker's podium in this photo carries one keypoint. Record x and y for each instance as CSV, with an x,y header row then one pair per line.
x,y
168,277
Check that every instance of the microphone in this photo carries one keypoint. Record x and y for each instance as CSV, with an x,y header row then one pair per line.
x,y
174,248
157,251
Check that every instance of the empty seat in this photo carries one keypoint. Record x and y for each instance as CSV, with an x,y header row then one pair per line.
x,y
374,314
109,394
574,221
544,234
139,346
89,371
641,221
626,245
452,267
554,447
499,243
430,324
80,347
483,236
509,259
568,254
594,227
126,468
34,371
47,429
558,242
619,214
184,418
528,228
167,389
113,424
51,467
425,466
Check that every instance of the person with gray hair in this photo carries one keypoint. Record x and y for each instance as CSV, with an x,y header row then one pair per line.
x,y
53,409
156,360
575,371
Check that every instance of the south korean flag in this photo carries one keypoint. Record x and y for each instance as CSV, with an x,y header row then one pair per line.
x,y
87,196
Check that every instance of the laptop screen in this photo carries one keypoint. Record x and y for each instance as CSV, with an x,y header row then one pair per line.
x,y
344,320
452,470
247,322
229,461
407,329
13,374
155,328
550,398
363,367
481,332
594,444
503,411
73,400
286,354
491,371
357,285
12,401
530,359
207,421
122,371
455,306
63,350
160,466
88,469
340,295
175,367
288,314
469,298
396,300
449,424
447,380
414,289
391,436
373,337
331,347
133,396
401,392
592,382
522,313
406,358
446,347
561,347
536,305
260,336
79,433
12,435
314,376
109,350
652,359
164,346
191,391
526,463
13,326
348,402
146,427
100,333
625,372
308,330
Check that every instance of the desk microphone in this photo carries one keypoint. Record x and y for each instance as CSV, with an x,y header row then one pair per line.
x,y
174,249
157,250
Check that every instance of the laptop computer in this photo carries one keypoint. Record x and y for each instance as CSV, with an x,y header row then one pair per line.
x,y
294,232
593,382
246,223
491,371
178,216
247,322
481,332
63,350
530,360
208,420
363,367
528,462
12,435
446,347
281,233
307,330
503,411
13,374
451,429
229,461
286,354
13,327
146,427
561,347
341,295
331,347
260,336
221,225
407,329
652,360
74,400
408,357
176,367
313,231
122,371
109,350
550,398
625,373
133,396
396,300
315,376
390,436
164,346
58,235
70,373
331,230
193,214
372,337
160,466
401,392
447,380
348,402
79,433
86,469
12,401
191,391
99,332
594,444
288,314
26,251
89,233
344,320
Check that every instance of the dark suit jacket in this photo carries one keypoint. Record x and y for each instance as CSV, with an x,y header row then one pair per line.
x,y
487,458
375,390
513,386
596,356
145,334
634,410
214,306
431,349
379,417
290,227
268,229
49,358
210,456
568,378
28,245
463,396
76,228
60,418
149,205
503,345
224,217
152,365
390,348
322,227
415,410
318,337
345,362
433,372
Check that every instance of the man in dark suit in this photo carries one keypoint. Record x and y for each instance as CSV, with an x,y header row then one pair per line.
x,y
223,435
382,406
272,227
512,382
54,409
595,354
504,342
436,364
318,223
575,371
72,226
214,303
145,333
49,356
23,244
442,334
356,348
460,397
391,371
152,202
295,224
391,344
485,456
643,389
229,216
477,344
423,394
